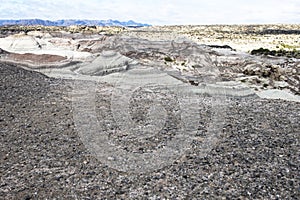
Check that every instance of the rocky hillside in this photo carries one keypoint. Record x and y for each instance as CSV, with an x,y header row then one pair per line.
x,y
43,157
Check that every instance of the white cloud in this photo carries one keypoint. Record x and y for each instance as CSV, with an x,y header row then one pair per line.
x,y
157,11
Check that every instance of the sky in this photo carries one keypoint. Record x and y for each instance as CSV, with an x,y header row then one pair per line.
x,y
157,12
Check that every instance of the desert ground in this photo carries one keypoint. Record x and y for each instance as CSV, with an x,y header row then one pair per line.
x,y
160,112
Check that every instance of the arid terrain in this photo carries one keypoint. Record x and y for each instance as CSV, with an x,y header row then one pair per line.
x,y
159,112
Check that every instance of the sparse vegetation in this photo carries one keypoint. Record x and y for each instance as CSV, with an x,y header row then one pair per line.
x,y
287,46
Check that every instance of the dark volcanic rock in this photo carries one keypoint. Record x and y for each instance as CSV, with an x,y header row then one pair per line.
x,y
279,31
42,156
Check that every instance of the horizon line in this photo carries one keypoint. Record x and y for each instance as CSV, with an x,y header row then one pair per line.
x,y
110,19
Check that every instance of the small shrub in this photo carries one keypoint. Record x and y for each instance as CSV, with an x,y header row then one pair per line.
x,y
168,59
265,85
281,52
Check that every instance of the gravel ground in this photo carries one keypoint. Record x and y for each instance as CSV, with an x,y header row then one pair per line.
x,y
42,156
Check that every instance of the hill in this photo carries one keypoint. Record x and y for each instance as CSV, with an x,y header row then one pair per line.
x,y
69,22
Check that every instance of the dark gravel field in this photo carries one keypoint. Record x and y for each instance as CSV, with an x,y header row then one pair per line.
x,y
43,157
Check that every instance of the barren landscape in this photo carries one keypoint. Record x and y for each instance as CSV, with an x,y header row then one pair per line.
x,y
158,112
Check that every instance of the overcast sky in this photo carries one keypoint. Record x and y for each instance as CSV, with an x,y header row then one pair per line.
x,y
157,12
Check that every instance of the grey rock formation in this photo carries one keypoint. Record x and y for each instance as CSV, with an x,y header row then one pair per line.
x,y
101,55
107,62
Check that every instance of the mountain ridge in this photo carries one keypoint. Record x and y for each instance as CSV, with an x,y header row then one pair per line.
x,y
70,22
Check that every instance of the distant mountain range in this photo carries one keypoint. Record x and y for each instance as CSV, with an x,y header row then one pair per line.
x,y
69,22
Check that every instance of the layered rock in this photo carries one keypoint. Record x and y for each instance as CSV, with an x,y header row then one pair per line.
x,y
97,55
43,43
107,62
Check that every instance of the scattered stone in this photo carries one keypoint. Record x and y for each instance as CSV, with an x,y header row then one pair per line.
x,y
252,159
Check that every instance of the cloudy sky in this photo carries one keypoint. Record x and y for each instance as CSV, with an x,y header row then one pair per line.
x,y
157,12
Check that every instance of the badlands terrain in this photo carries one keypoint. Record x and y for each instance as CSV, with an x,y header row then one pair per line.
x,y
169,112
